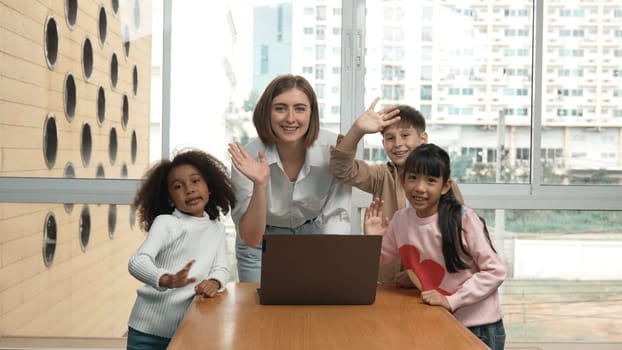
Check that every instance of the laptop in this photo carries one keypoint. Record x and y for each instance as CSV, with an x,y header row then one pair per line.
x,y
319,269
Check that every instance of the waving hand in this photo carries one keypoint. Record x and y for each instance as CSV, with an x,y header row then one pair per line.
x,y
256,171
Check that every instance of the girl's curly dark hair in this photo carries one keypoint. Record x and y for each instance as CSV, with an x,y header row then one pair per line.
x,y
153,198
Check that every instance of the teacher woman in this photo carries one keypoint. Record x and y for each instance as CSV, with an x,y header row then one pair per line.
x,y
282,180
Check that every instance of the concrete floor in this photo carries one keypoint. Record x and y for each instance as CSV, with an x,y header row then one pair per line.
x,y
576,312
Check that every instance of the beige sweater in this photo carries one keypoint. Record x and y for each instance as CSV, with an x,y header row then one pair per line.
x,y
379,180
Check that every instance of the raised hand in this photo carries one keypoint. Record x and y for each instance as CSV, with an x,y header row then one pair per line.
x,y
256,171
374,223
179,279
371,121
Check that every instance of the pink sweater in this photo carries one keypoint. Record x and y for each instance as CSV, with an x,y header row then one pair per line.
x,y
472,293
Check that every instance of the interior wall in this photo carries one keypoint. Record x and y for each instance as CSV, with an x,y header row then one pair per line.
x,y
65,65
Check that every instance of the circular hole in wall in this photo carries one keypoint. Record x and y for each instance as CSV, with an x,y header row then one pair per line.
x,y
49,239
112,220
124,171
134,147
71,13
126,41
112,145
99,172
87,58
103,25
86,145
125,111
69,173
50,141
115,6
70,97
85,227
101,105
135,80
114,70
51,42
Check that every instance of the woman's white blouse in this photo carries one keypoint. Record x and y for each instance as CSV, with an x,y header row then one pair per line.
x,y
314,194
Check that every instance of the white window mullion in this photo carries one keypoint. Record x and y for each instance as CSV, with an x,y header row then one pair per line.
x,y
353,84
352,61
537,93
54,190
166,78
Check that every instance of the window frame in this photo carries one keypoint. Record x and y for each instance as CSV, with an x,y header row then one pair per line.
x,y
534,195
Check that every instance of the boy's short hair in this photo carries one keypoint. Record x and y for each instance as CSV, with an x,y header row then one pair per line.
x,y
410,117
263,109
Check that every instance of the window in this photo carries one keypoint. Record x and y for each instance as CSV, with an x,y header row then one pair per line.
x,y
426,34
466,65
426,53
387,72
320,52
387,92
320,33
426,73
320,13
426,92
483,116
572,13
319,71
427,13
319,91
426,110
265,54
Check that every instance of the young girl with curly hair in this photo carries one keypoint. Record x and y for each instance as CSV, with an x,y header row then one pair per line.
x,y
184,254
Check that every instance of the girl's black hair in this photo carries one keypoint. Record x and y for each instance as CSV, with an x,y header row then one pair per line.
x,y
430,159
153,198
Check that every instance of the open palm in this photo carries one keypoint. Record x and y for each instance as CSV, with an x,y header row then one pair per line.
x,y
371,121
257,171
374,223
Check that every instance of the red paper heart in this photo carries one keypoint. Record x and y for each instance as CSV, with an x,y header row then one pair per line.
x,y
430,272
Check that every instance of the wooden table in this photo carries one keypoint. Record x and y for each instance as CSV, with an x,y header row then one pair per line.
x,y
397,320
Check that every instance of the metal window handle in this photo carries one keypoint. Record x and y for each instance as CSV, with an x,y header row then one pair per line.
x,y
358,47
348,52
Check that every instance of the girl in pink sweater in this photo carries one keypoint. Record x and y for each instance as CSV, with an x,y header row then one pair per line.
x,y
445,245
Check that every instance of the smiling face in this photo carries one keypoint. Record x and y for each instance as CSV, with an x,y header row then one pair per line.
x,y
424,192
188,190
290,115
399,141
